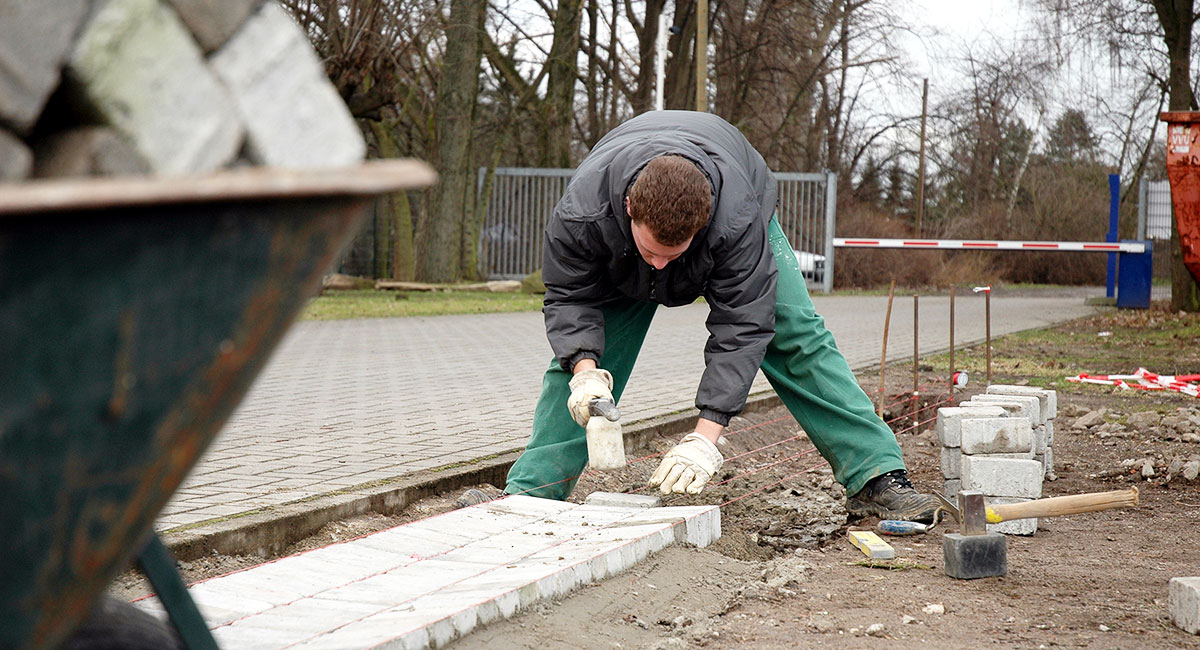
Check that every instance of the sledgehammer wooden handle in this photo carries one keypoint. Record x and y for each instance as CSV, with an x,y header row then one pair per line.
x,y
1056,506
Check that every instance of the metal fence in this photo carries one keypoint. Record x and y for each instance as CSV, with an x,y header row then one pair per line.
x,y
1154,210
518,204
1154,223
521,199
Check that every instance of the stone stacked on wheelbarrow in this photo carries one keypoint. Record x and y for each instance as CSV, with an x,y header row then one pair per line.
x,y
998,444
109,87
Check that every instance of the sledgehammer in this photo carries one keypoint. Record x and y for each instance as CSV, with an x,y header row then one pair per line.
x,y
977,553
1051,507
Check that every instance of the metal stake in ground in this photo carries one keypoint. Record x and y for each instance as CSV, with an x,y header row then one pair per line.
x,y
987,316
887,319
916,367
951,344
987,311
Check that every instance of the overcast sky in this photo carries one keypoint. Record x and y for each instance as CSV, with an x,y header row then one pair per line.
x,y
953,23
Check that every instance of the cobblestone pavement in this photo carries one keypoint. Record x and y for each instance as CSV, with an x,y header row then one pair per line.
x,y
343,403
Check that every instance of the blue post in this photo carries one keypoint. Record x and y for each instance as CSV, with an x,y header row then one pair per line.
x,y
1114,202
1136,276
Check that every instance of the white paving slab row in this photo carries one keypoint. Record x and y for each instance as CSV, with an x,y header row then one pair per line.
x,y
426,583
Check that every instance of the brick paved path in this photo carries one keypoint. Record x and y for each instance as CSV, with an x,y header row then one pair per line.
x,y
344,403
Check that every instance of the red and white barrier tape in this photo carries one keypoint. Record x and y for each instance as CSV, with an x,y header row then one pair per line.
x,y
1143,379
980,244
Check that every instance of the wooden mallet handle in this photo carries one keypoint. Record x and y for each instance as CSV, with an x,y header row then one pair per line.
x,y
1071,505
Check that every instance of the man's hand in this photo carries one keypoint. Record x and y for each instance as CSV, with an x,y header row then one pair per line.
x,y
688,466
587,385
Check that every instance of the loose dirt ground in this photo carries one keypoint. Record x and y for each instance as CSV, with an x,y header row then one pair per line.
x,y
783,575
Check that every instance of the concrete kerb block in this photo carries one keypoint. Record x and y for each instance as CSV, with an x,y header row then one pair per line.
x,y
1017,406
416,640
294,117
951,462
1048,398
212,22
1183,600
704,528
1047,461
623,500
949,420
1002,477
1040,436
138,68
996,436
36,36
1014,526
16,160
441,633
88,151
951,488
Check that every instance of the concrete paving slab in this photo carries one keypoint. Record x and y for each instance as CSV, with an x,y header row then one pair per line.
x,y
400,588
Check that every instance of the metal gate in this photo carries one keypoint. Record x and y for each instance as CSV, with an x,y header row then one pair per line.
x,y
521,199
1154,222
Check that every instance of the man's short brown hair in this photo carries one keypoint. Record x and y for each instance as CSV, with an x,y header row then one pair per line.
x,y
672,198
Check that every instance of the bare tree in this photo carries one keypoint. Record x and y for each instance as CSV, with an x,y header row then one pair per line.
x,y
982,159
1157,36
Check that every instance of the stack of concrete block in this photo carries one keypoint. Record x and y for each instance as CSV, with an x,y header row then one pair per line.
x,y
999,443
107,87
1019,401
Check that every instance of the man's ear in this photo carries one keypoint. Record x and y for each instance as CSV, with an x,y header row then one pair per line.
x,y
627,211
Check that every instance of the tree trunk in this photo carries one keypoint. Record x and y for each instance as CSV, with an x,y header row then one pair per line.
x,y
1176,18
593,82
396,209
681,64
642,98
560,90
440,231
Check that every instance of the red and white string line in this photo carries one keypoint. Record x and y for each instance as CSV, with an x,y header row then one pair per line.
x,y
1143,379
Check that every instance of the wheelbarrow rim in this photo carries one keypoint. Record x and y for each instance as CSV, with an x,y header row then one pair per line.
x,y
247,183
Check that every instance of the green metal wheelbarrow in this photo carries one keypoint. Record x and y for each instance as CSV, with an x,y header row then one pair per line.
x,y
134,315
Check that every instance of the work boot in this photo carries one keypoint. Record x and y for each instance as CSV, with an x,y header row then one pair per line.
x,y
892,496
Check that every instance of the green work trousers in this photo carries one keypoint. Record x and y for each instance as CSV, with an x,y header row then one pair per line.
x,y
802,363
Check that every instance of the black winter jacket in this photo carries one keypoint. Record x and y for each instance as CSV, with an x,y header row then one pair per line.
x,y
589,255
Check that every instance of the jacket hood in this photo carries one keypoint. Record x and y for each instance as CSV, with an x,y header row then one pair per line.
x,y
633,158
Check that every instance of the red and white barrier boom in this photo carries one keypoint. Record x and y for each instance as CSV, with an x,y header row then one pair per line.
x,y
1005,245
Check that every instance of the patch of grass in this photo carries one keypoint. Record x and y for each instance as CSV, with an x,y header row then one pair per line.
x,y
339,305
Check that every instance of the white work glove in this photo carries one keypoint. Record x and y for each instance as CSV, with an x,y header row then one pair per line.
x,y
586,386
688,466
